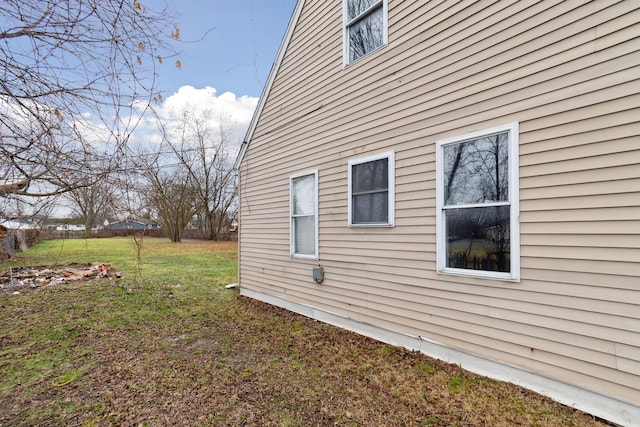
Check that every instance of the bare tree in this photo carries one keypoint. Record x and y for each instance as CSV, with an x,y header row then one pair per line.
x,y
173,197
202,149
75,77
167,190
93,203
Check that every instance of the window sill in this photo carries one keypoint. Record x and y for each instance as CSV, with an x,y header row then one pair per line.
x,y
372,225
458,272
305,257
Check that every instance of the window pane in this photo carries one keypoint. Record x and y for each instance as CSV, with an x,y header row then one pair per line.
x,y
370,208
356,7
366,35
304,195
304,235
477,171
370,176
478,238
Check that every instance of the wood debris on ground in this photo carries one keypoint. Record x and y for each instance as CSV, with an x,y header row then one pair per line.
x,y
45,276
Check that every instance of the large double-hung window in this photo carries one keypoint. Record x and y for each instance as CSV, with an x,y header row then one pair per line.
x,y
477,202
365,27
304,215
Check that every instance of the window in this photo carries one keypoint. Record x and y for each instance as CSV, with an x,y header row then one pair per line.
x,y
365,27
304,215
477,202
371,191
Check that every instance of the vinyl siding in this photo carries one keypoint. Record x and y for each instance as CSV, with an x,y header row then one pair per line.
x,y
569,73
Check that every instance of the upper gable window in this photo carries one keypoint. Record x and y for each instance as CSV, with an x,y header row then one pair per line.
x,y
371,191
477,200
365,27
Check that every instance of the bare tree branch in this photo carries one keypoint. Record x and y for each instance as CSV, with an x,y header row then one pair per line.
x,y
75,78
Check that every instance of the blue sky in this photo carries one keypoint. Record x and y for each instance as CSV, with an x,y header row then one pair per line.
x,y
237,54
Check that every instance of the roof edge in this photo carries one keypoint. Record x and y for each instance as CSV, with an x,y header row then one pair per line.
x,y
267,87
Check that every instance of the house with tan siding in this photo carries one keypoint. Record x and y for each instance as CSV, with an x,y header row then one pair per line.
x,y
460,178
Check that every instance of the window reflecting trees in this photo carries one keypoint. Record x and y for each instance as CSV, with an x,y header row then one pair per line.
x,y
476,204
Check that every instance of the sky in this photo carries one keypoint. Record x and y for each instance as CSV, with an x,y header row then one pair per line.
x,y
227,69
236,55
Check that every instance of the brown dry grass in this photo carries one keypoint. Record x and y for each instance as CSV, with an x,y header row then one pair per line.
x,y
176,350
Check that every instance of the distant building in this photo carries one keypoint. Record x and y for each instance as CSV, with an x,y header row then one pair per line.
x,y
126,225
132,225
70,227
16,224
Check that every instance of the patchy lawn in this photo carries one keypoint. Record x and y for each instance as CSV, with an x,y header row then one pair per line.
x,y
167,344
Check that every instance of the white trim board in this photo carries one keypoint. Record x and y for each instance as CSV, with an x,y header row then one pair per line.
x,y
589,401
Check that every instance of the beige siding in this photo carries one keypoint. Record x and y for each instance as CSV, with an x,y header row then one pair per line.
x,y
569,73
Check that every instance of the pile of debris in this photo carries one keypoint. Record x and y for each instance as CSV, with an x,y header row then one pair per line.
x,y
38,277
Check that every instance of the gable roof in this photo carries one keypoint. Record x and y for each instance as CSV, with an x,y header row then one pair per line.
x,y
267,87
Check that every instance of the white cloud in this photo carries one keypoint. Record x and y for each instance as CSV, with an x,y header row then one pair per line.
x,y
234,111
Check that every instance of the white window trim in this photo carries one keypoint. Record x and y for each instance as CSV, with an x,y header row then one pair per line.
x,y
292,252
345,30
390,155
514,202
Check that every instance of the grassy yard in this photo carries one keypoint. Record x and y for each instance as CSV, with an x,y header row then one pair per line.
x,y
166,344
